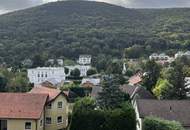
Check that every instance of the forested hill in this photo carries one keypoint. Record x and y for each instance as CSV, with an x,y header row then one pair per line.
x,y
67,29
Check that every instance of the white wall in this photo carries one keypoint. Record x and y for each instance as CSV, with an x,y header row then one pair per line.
x,y
139,120
41,74
85,60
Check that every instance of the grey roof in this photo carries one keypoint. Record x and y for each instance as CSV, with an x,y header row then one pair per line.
x,y
177,110
137,92
53,81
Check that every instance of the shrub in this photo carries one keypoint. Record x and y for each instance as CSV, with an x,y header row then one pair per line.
x,y
152,123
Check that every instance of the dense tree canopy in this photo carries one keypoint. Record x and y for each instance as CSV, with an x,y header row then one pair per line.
x,y
151,75
66,29
87,117
14,81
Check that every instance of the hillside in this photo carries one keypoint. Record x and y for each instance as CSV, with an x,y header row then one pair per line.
x,y
67,29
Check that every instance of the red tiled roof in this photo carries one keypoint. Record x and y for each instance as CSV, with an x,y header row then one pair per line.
x,y
22,105
52,92
135,79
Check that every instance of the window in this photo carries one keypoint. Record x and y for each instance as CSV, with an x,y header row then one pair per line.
x,y
49,106
48,120
59,119
28,126
38,75
60,105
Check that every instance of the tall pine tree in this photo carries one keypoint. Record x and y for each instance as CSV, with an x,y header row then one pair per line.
x,y
111,96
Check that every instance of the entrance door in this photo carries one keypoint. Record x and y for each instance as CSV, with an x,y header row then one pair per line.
x,y
3,124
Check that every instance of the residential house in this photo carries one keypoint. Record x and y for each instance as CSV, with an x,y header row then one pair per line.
x,y
56,108
94,81
173,110
180,54
162,58
136,92
84,60
22,111
42,74
135,79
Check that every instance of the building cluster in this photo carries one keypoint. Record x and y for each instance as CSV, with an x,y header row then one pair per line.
x,y
57,74
42,108
161,58
146,105
164,59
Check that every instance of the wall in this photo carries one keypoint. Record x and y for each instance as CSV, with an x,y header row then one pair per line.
x,y
19,124
41,74
14,124
54,112
139,120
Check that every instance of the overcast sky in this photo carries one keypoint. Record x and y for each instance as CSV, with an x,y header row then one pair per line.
x,y
10,5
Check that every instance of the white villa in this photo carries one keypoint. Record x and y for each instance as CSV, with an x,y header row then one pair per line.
x,y
84,60
161,56
94,81
42,74
180,54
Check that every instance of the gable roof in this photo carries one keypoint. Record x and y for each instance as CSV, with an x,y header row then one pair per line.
x,y
22,105
137,92
52,92
177,110
136,79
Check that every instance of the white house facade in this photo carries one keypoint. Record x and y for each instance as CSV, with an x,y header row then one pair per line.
x,y
138,119
156,56
41,74
180,54
85,59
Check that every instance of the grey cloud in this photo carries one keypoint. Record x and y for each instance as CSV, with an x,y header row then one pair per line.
x,y
18,4
150,3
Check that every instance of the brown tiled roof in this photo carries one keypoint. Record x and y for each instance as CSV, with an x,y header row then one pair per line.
x,y
177,110
22,105
52,92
